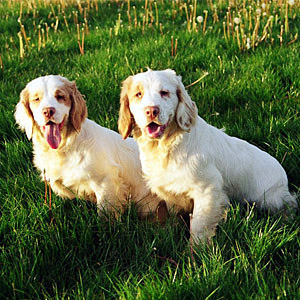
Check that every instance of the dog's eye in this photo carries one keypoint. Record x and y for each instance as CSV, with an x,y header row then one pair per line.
x,y
164,93
60,97
36,99
138,95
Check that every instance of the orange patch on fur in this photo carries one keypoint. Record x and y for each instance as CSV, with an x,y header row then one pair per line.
x,y
62,94
136,93
34,99
126,121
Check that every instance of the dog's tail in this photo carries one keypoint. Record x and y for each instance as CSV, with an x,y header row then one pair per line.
x,y
278,198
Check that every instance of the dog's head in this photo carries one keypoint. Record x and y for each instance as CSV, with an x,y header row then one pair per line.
x,y
154,100
50,105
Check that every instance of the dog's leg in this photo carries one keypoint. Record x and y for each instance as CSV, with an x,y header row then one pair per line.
x,y
209,208
59,189
107,197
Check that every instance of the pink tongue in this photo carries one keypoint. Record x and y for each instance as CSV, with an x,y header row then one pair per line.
x,y
52,135
153,128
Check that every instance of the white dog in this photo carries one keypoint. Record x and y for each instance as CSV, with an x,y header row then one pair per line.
x,y
79,157
189,163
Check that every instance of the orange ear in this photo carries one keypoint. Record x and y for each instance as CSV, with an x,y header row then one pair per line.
x,y
78,111
126,120
23,114
187,111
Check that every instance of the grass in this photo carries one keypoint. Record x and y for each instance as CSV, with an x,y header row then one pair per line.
x,y
251,91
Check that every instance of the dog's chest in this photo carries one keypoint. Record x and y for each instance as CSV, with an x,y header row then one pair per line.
x,y
170,181
67,168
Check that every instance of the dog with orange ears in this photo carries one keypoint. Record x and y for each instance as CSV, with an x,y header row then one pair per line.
x,y
79,157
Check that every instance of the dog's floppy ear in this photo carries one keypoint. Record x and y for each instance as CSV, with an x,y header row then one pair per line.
x,y
78,112
187,111
126,121
23,114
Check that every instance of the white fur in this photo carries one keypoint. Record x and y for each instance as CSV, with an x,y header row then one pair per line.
x,y
51,83
152,97
194,164
94,163
99,163
46,86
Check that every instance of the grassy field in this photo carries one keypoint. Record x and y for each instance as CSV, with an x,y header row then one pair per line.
x,y
251,52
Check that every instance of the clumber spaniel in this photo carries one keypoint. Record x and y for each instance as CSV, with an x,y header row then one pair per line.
x,y
79,157
189,163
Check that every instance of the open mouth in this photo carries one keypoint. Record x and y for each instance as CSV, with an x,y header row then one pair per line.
x,y
52,133
155,130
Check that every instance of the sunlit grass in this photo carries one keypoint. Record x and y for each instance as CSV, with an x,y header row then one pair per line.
x,y
242,24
